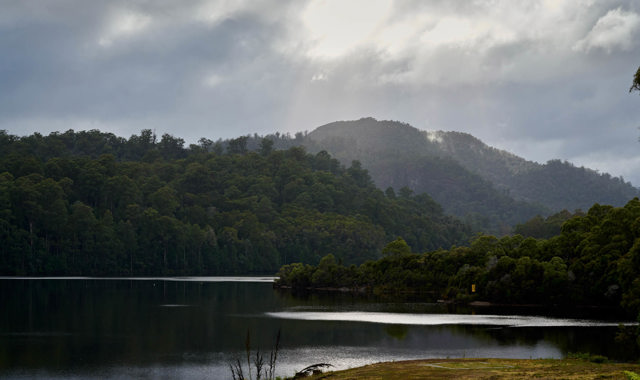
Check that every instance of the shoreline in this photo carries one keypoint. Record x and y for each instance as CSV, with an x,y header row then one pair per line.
x,y
365,291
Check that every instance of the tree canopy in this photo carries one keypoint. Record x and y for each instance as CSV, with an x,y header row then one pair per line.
x,y
92,203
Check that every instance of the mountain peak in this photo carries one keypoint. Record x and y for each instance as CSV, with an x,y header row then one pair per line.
x,y
483,178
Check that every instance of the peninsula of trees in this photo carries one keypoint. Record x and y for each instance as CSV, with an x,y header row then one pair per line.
x,y
594,260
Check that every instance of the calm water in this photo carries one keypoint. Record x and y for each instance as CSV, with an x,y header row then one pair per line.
x,y
192,328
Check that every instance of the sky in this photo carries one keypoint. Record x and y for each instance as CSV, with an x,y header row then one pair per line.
x,y
544,79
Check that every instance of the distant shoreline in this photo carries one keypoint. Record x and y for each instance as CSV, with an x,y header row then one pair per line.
x,y
266,279
478,303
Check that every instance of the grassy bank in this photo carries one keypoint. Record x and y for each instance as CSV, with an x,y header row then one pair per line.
x,y
461,369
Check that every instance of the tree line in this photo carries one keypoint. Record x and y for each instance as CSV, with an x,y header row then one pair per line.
x,y
593,260
92,203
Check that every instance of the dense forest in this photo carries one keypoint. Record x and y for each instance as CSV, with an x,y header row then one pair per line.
x,y
490,188
593,260
92,203
545,228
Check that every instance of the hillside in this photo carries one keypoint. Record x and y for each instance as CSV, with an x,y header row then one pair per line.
x,y
557,184
488,186
91,203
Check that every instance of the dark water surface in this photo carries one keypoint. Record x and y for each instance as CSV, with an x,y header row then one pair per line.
x,y
192,328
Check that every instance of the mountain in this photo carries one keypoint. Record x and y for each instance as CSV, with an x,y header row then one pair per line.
x,y
557,184
491,188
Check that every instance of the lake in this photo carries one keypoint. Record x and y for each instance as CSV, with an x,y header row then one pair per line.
x,y
194,327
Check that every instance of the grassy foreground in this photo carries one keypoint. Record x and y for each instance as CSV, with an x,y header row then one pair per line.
x,y
460,369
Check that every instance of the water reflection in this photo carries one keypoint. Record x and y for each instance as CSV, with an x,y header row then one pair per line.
x,y
442,319
88,328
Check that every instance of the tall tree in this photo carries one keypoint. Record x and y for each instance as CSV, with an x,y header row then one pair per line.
x,y
635,86
238,145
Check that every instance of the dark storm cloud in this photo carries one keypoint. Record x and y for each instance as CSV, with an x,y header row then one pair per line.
x,y
74,63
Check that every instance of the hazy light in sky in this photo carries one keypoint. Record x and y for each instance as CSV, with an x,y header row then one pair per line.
x,y
338,26
123,24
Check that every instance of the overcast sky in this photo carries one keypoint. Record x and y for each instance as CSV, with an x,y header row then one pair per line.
x,y
542,79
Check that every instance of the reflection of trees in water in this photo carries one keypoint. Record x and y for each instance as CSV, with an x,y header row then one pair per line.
x,y
398,332
344,301
125,321
597,340
594,340
60,323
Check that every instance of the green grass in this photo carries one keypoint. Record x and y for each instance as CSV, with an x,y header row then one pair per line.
x,y
467,369
632,375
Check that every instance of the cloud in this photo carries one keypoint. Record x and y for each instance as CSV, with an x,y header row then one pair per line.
x,y
522,75
336,27
617,29
319,77
123,24
214,12
445,43
213,80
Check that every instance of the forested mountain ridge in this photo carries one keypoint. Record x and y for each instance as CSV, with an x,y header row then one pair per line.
x,y
92,203
556,184
399,155
463,174
493,164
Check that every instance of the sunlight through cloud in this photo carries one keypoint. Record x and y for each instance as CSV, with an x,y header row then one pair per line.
x,y
124,24
337,27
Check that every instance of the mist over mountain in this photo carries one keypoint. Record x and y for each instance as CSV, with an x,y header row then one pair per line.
x,y
490,188
557,184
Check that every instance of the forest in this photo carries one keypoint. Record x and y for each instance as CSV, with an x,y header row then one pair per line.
x,y
593,260
92,203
